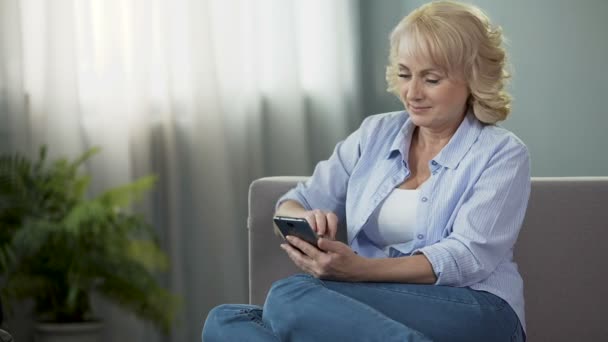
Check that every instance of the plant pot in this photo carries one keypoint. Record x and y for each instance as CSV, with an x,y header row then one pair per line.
x,y
68,332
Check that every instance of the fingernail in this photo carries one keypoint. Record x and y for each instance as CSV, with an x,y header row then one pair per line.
x,y
288,237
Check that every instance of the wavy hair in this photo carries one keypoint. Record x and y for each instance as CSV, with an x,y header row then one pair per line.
x,y
458,38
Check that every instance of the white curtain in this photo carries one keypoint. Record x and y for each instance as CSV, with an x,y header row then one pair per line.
x,y
207,94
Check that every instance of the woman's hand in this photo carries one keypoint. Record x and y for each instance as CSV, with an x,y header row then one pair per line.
x,y
331,260
324,223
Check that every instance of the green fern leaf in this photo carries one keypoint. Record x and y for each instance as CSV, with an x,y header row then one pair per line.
x,y
124,195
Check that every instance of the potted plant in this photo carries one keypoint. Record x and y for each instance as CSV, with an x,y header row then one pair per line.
x,y
57,246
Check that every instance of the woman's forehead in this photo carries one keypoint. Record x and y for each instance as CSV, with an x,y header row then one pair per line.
x,y
415,52
413,48
416,61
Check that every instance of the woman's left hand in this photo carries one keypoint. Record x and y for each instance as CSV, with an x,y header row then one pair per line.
x,y
331,260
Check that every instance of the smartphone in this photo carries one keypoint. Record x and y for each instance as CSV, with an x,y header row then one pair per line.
x,y
296,226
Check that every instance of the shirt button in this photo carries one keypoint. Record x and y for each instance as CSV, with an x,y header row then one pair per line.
x,y
420,236
433,163
424,199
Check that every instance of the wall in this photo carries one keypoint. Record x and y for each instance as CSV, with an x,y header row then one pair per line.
x,y
558,51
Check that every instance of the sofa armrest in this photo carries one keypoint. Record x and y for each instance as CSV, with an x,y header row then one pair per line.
x,y
5,336
267,261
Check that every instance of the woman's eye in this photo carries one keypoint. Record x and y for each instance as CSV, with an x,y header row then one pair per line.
x,y
404,75
432,81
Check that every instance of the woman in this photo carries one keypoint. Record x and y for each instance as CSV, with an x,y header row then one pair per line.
x,y
433,198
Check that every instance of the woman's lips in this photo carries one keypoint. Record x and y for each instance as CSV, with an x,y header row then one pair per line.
x,y
418,109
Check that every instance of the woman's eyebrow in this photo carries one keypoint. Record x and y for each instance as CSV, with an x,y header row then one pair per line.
x,y
423,72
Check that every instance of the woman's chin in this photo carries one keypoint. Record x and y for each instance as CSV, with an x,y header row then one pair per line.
x,y
418,119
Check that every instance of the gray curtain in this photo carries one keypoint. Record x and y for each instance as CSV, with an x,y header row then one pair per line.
x,y
208,95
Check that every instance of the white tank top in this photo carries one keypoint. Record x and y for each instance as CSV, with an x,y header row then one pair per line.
x,y
396,219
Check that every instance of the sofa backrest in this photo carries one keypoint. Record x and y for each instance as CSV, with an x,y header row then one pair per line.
x,y
559,252
562,257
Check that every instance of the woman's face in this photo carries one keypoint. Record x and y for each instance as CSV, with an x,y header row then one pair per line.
x,y
432,99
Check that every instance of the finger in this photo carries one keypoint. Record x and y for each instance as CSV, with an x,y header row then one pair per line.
x,y
332,225
321,222
312,221
293,253
297,257
333,246
306,248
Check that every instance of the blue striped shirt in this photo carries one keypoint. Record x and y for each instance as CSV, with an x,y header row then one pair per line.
x,y
470,211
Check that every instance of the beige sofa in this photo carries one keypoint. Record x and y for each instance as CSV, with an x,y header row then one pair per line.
x,y
561,253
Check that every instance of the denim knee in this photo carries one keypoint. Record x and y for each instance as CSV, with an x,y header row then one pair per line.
x,y
284,290
286,283
284,301
236,322
214,320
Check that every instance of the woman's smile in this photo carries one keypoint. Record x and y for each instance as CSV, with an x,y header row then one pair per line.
x,y
418,109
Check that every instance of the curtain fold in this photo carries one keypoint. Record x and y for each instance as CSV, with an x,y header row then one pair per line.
x,y
13,127
207,94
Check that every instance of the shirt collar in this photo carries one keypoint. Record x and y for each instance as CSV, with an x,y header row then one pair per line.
x,y
452,153
402,140
461,142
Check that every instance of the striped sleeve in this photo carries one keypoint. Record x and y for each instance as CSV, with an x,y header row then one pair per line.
x,y
326,188
488,222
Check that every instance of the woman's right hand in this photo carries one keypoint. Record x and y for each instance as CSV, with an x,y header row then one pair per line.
x,y
324,223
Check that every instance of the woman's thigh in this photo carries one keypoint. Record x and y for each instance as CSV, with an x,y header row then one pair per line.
x,y
302,308
442,313
236,322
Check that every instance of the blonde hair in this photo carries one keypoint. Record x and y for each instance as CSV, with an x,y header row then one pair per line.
x,y
457,37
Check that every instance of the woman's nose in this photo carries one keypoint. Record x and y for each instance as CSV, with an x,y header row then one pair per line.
x,y
414,91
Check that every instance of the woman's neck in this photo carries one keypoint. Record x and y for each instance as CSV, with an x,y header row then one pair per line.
x,y
435,139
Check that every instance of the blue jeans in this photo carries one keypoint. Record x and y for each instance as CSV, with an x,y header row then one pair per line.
x,y
303,308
